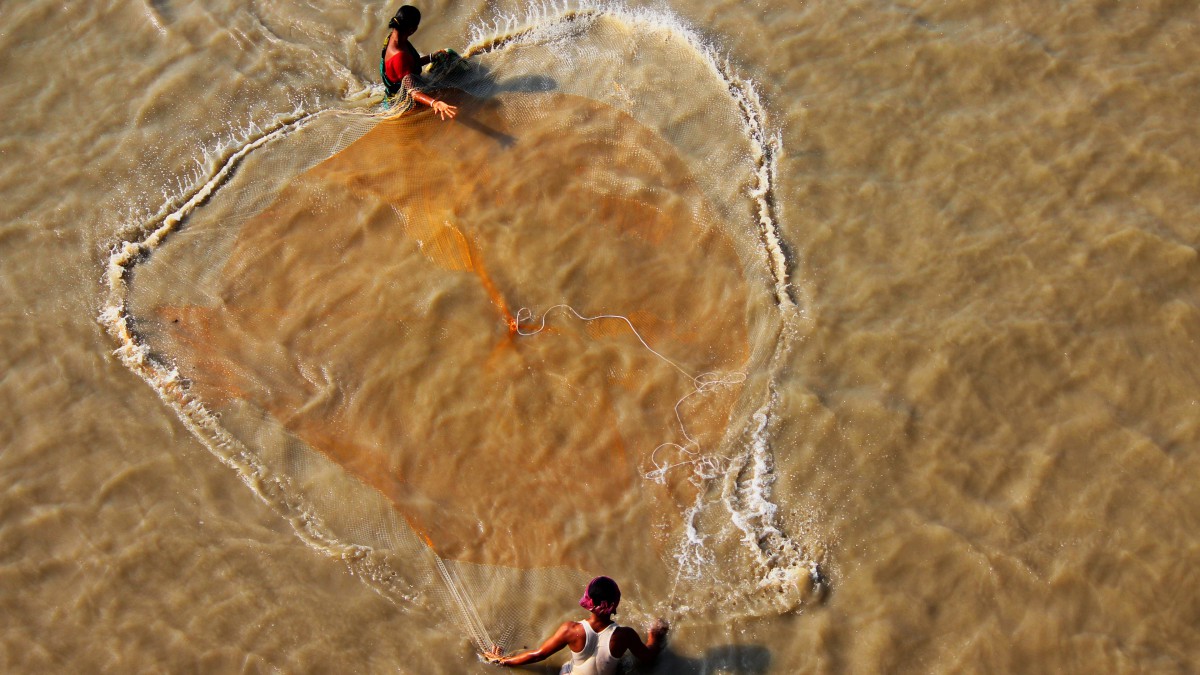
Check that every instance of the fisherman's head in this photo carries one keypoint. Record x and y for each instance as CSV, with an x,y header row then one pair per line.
x,y
406,20
601,597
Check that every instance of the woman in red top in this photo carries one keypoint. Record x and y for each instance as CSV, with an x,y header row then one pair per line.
x,y
400,62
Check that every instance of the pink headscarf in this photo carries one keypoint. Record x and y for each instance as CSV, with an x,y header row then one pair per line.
x,y
602,596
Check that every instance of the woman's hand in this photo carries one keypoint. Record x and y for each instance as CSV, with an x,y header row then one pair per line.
x,y
444,110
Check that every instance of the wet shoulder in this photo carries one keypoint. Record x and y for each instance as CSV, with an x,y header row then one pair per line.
x,y
622,638
572,632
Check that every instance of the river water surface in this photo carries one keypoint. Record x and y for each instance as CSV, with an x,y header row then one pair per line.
x,y
984,431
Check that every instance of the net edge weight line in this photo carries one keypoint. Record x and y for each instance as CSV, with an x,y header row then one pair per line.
x,y
134,247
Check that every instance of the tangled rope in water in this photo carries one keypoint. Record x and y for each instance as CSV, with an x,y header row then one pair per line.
x,y
703,465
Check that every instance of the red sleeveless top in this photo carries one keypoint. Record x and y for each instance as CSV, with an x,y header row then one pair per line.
x,y
401,65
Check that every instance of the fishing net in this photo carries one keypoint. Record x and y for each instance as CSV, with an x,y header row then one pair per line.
x,y
484,360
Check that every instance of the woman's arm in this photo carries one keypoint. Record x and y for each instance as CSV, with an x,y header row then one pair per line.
x,y
444,110
554,643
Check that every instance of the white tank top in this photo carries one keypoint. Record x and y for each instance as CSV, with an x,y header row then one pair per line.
x,y
595,659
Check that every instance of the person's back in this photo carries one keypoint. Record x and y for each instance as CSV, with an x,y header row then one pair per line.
x,y
596,657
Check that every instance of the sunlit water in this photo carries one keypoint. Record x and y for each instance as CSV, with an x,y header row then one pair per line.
x,y
985,429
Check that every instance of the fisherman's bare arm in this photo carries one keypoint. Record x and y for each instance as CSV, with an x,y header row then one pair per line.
x,y
554,643
626,638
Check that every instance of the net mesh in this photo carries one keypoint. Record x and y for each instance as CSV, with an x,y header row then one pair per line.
x,y
468,357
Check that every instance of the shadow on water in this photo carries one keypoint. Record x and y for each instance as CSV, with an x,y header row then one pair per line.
x,y
727,659
724,660
480,82
505,140
163,10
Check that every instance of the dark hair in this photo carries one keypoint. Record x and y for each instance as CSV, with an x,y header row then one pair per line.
x,y
406,20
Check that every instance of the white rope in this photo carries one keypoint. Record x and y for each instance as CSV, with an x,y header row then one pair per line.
x,y
701,384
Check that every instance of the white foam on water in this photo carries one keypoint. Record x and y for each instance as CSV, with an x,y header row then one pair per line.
x,y
748,496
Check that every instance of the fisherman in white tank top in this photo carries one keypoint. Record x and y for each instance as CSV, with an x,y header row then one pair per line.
x,y
596,643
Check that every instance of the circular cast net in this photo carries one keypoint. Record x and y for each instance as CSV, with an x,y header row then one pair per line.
x,y
484,360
